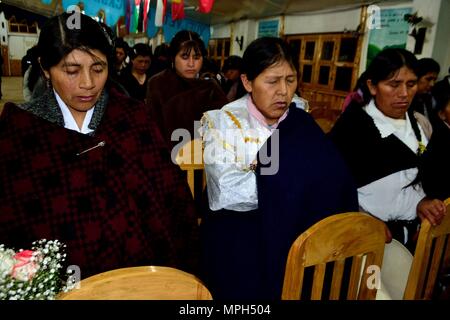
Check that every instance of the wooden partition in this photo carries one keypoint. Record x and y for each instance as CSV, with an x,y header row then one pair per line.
x,y
328,65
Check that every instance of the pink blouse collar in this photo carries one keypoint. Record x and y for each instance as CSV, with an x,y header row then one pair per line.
x,y
254,112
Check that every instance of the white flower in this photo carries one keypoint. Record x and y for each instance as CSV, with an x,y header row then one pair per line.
x,y
32,274
6,262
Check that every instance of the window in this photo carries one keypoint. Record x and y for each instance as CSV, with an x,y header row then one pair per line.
x,y
328,66
307,73
296,45
347,49
344,79
324,75
309,50
219,50
327,50
22,26
328,62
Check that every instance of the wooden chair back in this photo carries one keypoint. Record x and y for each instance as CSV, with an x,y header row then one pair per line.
x,y
190,159
140,283
432,256
353,235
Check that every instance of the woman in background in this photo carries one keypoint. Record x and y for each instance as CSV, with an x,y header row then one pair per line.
x,y
175,96
135,77
435,172
427,72
34,84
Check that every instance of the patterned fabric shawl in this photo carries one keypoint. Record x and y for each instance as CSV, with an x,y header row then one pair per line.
x,y
123,204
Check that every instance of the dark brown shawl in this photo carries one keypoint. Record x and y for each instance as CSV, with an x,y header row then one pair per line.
x,y
176,102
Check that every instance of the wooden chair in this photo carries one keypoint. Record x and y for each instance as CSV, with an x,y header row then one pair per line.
x,y
432,255
354,235
190,159
140,283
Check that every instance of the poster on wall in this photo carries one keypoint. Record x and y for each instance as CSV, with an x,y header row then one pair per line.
x,y
392,32
268,28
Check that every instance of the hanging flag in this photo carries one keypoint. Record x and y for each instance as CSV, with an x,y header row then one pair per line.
x,y
146,13
140,24
128,12
121,29
205,6
134,16
177,10
151,28
160,12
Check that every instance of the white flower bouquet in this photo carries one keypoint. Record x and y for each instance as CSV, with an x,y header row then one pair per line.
x,y
32,274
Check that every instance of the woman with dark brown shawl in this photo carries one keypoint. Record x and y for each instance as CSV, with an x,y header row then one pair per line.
x,y
176,96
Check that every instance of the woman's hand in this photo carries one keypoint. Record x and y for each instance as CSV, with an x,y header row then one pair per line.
x,y
431,209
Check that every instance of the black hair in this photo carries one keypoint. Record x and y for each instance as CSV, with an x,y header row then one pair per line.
x,y
120,43
388,62
265,52
186,40
210,65
141,49
361,84
35,71
426,65
162,50
233,63
61,34
442,98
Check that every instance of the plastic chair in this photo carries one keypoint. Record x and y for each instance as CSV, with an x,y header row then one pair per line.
x,y
354,235
190,159
140,283
432,255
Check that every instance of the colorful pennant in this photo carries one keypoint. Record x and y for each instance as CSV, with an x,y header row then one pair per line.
x,y
205,6
146,12
160,12
177,10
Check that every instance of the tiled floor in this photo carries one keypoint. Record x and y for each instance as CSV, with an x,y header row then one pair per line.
x,y
11,90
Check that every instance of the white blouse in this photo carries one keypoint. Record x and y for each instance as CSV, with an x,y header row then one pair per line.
x,y
387,198
232,138
69,120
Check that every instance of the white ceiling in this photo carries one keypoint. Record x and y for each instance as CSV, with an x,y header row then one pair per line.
x,y
225,11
